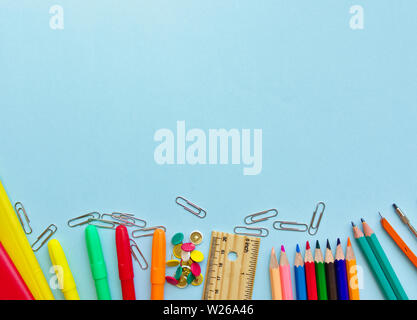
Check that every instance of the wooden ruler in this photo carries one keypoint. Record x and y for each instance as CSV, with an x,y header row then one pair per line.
x,y
226,279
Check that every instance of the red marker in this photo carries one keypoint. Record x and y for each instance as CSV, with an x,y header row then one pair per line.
x,y
124,258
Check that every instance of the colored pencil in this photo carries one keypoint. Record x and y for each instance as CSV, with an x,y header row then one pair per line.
x,y
373,263
341,274
310,274
352,272
275,277
320,273
383,261
285,272
300,277
330,273
400,243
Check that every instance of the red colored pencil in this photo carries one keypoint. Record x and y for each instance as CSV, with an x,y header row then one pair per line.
x,y
310,274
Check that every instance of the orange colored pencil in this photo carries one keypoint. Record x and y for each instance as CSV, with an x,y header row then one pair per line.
x,y
352,272
275,277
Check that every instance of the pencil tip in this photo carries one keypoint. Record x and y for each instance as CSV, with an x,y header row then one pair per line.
x,y
363,220
272,251
338,241
353,224
317,244
394,205
307,245
349,243
380,215
282,248
328,245
297,248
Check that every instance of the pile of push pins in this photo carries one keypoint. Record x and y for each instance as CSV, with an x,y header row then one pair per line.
x,y
188,269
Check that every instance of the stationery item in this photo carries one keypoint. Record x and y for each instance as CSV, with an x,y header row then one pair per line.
x,y
189,206
149,234
44,237
62,270
330,273
97,263
341,274
231,267
383,261
275,277
373,263
102,223
124,259
19,250
282,225
158,265
310,274
300,277
253,232
133,249
12,285
352,272
127,219
314,227
23,217
264,216
400,243
196,237
404,219
285,273
83,219
320,273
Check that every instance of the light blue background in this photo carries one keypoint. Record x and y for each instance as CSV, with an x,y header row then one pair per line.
x,y
80,106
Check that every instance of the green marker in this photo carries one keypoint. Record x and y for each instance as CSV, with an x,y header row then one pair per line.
x,y
384,262
320,273
97,263
373,264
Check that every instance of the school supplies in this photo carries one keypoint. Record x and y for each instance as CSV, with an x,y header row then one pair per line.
x,y
158,265
44,237
263,214
300,277
285,273
282,225
373,263
146,233
125,265
314,227
330,273
12,285
383,261
63,272
320,273
341,275
189,206
23,217
97,263
404,219
400,243
352,272
19,250
231,267
275,277
310,274
251,231
138,255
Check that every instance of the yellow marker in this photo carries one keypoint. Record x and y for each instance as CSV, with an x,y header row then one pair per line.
x,y
62,270
16,244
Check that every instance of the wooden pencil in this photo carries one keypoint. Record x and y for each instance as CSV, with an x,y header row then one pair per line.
x,y
285,272
330,273
300,277
352,272
320,273
310,274
275,277
341,274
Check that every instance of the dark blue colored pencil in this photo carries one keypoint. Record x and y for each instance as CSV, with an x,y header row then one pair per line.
x,y
341,273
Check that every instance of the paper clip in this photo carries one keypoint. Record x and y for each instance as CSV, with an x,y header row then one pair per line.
x,y
85,218
20,210
282,225
147,229
260,232
101,223
316,227
134,246
201,213
49,232
249,219
125,217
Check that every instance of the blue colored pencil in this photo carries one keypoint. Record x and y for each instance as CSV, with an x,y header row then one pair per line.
x,y
341,273
300,277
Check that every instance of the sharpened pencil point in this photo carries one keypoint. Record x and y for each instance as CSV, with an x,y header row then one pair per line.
x,y
297,248
317,244
363,220
395,206
338,241
307,245
282,248
353,224
328,245
349,243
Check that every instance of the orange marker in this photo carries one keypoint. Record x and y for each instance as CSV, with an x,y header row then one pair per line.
x,y
400,243
158,265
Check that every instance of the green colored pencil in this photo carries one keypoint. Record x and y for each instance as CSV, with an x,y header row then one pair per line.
x,y
384,262
373,263
320,273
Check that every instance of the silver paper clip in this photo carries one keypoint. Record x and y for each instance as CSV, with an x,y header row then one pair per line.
x,y
101,223
145,230
134,246
85,218
20,210
201,213
312,229
259,232
128,219
249,219
281,225
47,234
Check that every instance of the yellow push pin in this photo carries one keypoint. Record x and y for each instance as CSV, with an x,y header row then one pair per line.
x,y
197,256
172,263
